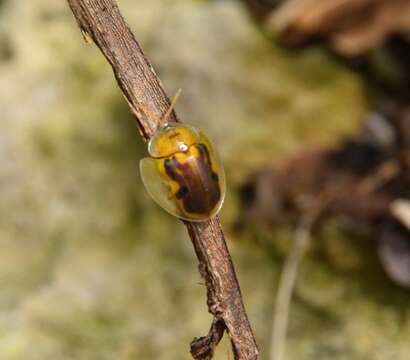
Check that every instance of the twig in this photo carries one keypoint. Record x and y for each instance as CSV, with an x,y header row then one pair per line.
x,y
203,347
287,284
102,22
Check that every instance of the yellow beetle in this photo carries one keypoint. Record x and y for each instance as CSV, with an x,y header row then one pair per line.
x,y
183,173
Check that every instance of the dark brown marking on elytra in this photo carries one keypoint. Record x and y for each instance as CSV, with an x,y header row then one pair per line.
x,y
183,192
199,184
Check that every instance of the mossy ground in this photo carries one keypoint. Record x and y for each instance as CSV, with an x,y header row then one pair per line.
x,y
90,268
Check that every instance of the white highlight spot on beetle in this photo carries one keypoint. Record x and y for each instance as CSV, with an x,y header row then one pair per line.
x,y
183,147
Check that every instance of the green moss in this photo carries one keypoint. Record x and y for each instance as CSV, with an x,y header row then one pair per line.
x,y
90,267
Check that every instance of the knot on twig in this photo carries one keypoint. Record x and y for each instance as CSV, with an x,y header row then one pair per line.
x,y
203,348
213,300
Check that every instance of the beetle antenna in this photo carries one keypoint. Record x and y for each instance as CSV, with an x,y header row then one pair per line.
x,y
171,107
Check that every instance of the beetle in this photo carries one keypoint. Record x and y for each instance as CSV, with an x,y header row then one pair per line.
x,y
183,173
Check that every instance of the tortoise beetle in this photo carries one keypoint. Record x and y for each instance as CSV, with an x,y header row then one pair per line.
x,y
183,173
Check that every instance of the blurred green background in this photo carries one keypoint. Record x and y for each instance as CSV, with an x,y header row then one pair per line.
x,y
90,267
